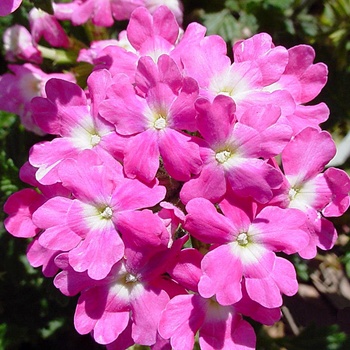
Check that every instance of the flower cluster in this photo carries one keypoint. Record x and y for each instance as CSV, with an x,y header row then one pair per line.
x,y
173,182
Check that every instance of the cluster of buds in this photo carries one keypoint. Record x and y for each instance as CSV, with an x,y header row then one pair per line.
x,y
174,182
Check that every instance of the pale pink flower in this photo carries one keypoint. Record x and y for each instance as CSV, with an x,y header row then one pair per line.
x,y
19,87
18,45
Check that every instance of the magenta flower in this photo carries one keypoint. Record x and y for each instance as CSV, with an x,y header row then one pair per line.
x,y
90,224
66,112
125,306
316,194
232,152
9,6
219,327
154,123
244,241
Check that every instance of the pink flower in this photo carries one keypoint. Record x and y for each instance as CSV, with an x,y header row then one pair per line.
x,y
154,123
90,224
232,152
244,241
9,6
205,59
219,327
125,306
66,112
20,207
148,35
105,12
308,189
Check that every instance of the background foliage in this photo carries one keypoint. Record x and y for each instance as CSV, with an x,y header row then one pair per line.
x,y
34,315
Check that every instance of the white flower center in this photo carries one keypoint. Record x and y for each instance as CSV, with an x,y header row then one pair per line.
x,y
242,239
160,123
223,156
130,278
95,139
107,213
292,193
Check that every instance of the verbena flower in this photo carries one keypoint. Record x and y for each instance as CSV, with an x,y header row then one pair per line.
x,y
173,183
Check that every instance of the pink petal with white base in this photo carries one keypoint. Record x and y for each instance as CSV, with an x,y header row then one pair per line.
x,y
280,229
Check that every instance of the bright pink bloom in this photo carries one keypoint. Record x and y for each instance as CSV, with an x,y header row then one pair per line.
x,y
154,123
129,301
66,112
148,35
220,327
18,45
232,152
311,191
104,205
9,6
301,77
20,207
205,59
303,80
105,12
45,25
244,241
